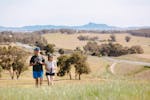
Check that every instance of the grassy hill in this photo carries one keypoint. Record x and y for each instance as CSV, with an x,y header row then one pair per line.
x,y
129,81
71,41
100,84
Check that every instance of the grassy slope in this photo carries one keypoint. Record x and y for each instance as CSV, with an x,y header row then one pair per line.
x,y
71,41
99,85
115,90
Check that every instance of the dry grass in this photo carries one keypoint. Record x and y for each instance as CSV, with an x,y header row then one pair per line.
x,y
144,75
71,41
135,57
96,64
127,69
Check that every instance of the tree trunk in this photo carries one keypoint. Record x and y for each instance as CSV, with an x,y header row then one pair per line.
x,y
11,74
70,75
79,76
76,74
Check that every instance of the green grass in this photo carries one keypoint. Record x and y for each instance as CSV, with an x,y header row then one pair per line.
x,y
112,90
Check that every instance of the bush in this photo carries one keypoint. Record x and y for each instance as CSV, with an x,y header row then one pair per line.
x,y
92,48
113,38
26,38
85,38
61,51
136,49
111,49
127,38
49,48
78,60
63,65
13,58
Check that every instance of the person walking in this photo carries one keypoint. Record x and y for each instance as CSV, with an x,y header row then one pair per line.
x,y
50,67
37,61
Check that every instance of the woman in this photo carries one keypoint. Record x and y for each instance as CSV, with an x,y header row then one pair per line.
x,y
50,67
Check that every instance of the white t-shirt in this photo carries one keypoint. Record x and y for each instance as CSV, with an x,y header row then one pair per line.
x,y
51,66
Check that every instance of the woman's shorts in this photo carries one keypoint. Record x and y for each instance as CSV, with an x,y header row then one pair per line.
x,y
50,74
37,74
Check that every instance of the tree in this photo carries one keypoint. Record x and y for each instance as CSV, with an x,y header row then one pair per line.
x,y
127,38
76,59
64,66
81,68
40,45
49,48
1,71
104,49
11,56
83,38
118,50
113,38
136,49
61,51
92,48
23,37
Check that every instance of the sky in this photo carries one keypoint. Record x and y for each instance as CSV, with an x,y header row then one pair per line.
x,y
122,13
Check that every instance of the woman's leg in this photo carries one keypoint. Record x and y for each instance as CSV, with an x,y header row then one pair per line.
x,y
51,78
48,79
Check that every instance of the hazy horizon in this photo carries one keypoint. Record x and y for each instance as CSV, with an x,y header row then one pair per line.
x,y
121,13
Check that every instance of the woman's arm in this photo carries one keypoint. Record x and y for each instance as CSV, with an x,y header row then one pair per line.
x,y
46,67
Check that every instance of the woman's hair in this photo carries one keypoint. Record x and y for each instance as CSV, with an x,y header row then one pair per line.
x,y
49,56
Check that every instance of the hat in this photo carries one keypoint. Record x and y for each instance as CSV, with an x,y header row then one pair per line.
x,y
37,49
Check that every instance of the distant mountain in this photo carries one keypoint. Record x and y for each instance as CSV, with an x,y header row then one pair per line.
x,y
89,26
94,26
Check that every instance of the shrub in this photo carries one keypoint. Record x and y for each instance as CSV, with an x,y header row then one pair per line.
x,y
136,49
26,38
113,38
63,65
92,48
76,59
61,51
111,49
127,38
85,38
49,48
13,58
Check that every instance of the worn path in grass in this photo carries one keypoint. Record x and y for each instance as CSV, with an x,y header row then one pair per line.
x,y
127,61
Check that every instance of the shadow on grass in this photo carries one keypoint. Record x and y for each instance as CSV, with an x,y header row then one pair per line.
x,y
147,67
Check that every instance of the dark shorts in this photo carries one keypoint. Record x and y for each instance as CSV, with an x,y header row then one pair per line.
x,y
37,74
50,74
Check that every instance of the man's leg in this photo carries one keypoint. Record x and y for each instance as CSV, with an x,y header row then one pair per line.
x,y
41,77
36,82
41,80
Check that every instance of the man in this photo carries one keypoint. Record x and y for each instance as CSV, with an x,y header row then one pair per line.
x,y
37,61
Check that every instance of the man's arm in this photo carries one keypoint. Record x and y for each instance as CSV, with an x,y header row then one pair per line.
x,y
32,63
43,61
